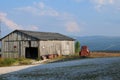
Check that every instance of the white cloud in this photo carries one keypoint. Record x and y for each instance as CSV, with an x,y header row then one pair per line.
x,y
12,25
39,9
101,4
111,1
72,26
41,5
33,27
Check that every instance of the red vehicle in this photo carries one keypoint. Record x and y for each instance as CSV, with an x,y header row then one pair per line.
x,y
84,52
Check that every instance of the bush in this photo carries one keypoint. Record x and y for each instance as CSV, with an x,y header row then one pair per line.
x,y
77,47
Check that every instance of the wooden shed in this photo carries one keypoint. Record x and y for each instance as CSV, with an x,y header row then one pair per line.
x,y
32,44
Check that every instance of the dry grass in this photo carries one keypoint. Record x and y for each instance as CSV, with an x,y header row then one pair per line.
x,y
22,61
104,54
92,55
14,62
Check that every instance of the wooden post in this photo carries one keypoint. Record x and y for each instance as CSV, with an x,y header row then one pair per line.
x,y
19,49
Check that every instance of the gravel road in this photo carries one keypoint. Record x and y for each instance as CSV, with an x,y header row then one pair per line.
x,y
84,69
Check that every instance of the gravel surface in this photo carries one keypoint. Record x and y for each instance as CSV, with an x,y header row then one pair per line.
x,y
85,69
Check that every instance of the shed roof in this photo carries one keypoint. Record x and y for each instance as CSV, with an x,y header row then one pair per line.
x,y
45,35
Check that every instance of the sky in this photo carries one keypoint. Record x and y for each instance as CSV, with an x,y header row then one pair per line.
x,y
70,17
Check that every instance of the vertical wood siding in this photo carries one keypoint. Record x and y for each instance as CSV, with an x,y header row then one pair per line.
x,y
14,45
56,47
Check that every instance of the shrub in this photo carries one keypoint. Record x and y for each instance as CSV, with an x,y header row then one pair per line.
x,y
77,47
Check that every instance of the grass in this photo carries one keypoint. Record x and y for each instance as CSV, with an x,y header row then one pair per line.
x,y
23,61
92,55
12,61
73,72
104,54
65,58
7,62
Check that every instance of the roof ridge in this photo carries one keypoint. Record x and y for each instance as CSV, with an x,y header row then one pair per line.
x,y
37,31
43,35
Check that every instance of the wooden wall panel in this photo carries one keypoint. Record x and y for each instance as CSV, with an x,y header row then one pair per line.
x,y
14,46
56,47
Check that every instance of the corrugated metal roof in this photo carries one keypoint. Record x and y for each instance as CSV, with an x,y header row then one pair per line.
x,y
46,35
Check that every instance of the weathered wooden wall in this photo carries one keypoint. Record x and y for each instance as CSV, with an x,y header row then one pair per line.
x,y
56,47
13,45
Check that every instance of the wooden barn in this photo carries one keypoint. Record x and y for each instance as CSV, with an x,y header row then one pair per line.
x,y
31,44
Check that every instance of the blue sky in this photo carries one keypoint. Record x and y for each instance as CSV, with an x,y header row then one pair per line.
x,y
70,17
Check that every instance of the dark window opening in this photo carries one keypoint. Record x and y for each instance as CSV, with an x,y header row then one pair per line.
x,y
31,52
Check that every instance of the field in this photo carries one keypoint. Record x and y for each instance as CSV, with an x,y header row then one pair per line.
x,y
98,66
23,61
92,55
85,69
104,54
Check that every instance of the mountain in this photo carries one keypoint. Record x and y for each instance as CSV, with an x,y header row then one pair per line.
x,y
100,43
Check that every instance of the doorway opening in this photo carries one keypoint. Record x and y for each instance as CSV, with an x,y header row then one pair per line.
x,y
31,52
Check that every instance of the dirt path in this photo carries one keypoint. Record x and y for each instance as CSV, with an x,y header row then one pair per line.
x,y
4,70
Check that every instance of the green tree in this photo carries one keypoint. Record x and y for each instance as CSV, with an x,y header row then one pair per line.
x,y
77,46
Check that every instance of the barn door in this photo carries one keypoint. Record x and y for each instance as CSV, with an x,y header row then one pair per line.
x,y
31,52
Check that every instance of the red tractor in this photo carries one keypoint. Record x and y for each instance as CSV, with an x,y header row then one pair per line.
x,y
84,52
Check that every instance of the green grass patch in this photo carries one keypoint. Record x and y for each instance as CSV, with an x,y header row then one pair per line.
x,y
6,62
13,61
24,61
